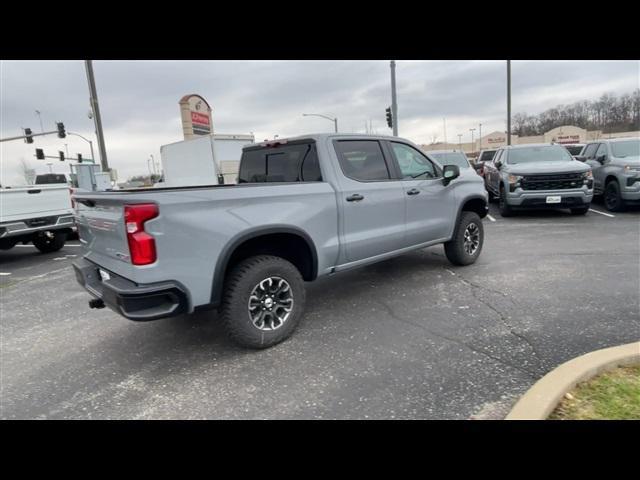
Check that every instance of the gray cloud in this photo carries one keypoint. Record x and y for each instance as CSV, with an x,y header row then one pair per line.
x,y
139,100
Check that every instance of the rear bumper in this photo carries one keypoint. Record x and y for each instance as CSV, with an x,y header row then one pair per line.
x,y
134,301
28,227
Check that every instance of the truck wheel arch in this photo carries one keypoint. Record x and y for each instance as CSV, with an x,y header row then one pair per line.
x,y
473,204
303,254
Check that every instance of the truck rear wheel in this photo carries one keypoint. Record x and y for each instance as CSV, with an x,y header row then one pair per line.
x,y
466,244
48,242
263,301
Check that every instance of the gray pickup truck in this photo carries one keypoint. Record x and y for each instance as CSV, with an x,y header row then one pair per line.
x,y
538,176
616,170
303,208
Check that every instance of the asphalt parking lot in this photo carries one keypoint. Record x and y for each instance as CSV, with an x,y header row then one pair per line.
x,y
412,337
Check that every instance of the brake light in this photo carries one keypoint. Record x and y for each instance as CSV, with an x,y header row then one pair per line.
x,y
142,246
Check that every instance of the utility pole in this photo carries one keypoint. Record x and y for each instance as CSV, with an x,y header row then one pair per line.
x,y
508,102
394,104
480,137
472,145
93,99
460,141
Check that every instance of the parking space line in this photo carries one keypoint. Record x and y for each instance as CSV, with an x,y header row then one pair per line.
x,y
602,213
4,274
491,218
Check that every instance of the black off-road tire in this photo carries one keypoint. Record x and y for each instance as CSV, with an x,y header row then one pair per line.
x,y
505,209
580,210
455,248
239,284
612,199
48,245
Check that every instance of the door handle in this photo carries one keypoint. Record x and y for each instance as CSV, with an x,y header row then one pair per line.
x,y
413,191
356,197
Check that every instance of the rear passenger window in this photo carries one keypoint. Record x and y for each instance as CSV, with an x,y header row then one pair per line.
x,y
362,160
283,163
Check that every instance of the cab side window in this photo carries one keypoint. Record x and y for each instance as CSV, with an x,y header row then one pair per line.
x,y
590,150
412,163
602,150
362,160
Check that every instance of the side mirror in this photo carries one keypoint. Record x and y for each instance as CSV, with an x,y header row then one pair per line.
x,y
580,158
498,164
601,159
450,172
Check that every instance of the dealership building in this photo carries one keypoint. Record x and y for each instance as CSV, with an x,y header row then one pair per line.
x,y
565,134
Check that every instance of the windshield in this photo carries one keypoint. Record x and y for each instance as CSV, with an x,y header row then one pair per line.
x,y
574,149
630,148
545,153
455,158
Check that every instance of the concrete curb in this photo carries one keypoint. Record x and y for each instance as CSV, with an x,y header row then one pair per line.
x,y
541,399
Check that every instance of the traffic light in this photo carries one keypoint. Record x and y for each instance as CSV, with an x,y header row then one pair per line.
x,y
39,154
61,155
61,132
27,132
389,117
79,158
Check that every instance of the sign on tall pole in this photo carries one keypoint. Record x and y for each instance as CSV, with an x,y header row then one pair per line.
x,y
93,99
394,105
195,113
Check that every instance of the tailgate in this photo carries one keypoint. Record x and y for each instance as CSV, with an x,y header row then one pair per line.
x,y
101,228
34,202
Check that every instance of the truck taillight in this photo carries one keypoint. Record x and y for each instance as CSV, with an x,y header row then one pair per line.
x,y
142,246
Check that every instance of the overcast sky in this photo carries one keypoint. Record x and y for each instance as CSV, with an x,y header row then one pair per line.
x,y
140,112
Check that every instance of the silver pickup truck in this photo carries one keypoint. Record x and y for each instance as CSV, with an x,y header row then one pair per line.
x,y
303,208
538,176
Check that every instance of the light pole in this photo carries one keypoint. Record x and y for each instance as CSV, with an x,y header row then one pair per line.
x,y
480,137
93,99
334,120
508,102
394,102
460,141
472,130
40,117
93,159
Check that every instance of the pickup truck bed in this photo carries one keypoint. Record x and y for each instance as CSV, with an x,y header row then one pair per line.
x,y
305,207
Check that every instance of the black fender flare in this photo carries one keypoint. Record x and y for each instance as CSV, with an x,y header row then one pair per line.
x,y
231,246
463,202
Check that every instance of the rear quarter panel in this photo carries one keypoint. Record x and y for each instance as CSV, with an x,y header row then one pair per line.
x,y
195,225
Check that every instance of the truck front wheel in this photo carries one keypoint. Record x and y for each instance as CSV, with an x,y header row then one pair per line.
x,y
505,209
48,242
263,301
466,244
